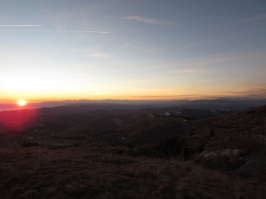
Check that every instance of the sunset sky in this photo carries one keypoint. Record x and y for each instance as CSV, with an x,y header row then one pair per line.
x,y
139,49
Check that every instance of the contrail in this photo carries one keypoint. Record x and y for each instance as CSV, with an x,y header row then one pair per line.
x,y
33,25
67,31
100,32
20,25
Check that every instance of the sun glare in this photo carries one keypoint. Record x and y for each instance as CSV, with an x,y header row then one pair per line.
x,y
22,102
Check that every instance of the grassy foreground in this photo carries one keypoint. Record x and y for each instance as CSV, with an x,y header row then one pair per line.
x,y
96,170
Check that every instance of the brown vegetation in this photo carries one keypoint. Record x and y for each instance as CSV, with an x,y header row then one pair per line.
x,y
133,154
96,170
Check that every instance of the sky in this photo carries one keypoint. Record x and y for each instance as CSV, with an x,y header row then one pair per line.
x,y
132,49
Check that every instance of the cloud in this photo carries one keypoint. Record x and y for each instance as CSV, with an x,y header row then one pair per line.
x,y
100,55
245,20
20,25
254,18
209,60
154,96
146,20
259,92
84,31
101,93
186,47
37,30
66,31
187,71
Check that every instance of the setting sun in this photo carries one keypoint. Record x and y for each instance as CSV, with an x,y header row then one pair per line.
x,y
22,102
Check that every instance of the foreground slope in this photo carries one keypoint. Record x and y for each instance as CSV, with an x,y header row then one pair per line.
x,y
249,124
234,143
96,170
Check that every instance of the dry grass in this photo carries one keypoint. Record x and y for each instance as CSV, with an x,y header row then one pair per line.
x,y
95,170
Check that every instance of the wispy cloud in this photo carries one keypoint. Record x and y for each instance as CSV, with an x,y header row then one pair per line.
x,y
100,55
84,31
260,92
254,18
186,71
101,93
66,31
186,47
209,60
38,30
152,97
20,25
244,20
147,20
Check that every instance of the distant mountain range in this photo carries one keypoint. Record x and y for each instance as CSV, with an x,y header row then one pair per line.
x,y
220,103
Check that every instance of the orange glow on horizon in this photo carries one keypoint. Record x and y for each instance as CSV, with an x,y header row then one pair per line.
x,y
160,95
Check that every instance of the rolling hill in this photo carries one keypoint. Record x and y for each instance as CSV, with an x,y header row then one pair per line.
x,y
164,153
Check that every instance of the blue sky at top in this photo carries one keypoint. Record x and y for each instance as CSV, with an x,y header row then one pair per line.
x,y
132,49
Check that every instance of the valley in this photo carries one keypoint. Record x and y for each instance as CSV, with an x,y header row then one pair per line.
x,y
133,152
